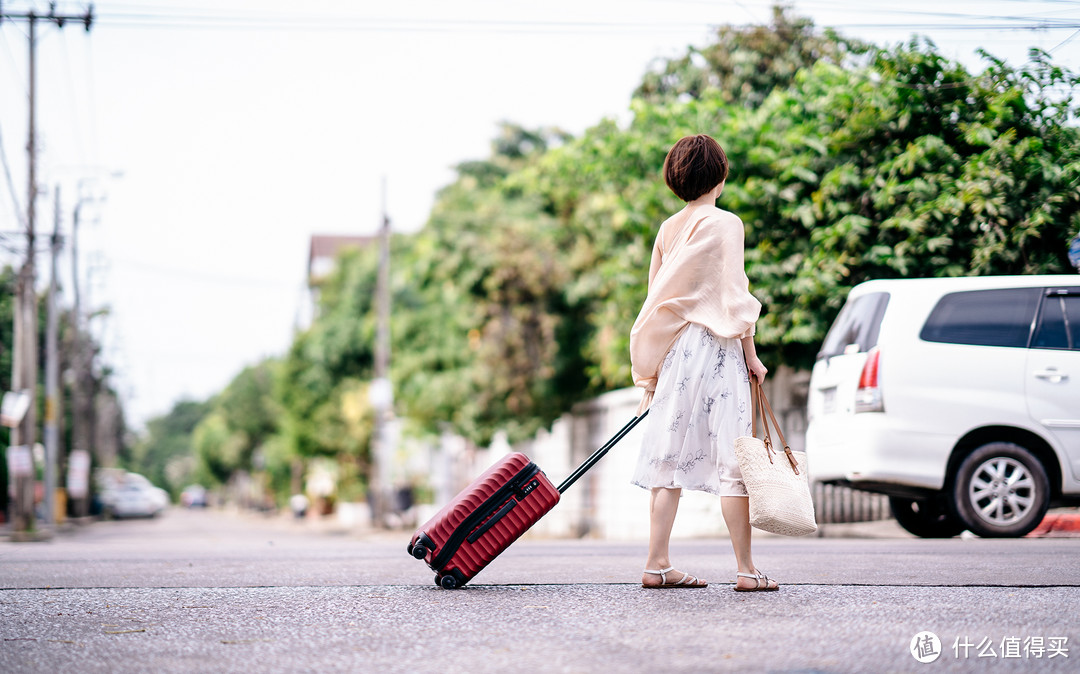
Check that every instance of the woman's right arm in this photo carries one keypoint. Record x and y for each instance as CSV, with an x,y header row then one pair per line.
x,y
753,363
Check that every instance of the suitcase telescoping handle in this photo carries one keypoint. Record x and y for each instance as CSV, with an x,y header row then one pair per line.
x,y
599,454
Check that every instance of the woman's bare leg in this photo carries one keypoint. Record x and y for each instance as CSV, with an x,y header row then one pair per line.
x,y
736,511
663,504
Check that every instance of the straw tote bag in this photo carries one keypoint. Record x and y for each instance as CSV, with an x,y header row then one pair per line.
x,y
777,483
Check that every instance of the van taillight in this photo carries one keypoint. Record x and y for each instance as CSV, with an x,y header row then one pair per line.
x,y
868,396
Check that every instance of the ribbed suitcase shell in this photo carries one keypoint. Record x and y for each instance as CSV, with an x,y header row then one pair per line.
x,y
484,519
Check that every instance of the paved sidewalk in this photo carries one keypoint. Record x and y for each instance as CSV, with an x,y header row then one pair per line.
x,y
1058,523
197,591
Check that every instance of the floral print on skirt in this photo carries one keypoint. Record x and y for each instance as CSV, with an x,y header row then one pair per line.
x,y
702,403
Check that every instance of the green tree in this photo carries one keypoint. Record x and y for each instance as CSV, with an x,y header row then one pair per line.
x,y
744,64
848,162
326,361
241,420
908,167
109,417
164,454
7,338
481,344
8,282
899,164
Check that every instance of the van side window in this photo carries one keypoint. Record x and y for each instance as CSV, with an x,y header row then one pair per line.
x,y
1059,321
984,317
857,326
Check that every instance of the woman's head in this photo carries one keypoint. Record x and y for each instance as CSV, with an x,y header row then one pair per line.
x,y
694,166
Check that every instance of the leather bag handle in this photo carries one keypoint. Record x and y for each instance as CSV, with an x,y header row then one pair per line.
x,y
762,408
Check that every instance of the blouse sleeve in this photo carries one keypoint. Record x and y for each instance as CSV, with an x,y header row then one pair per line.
x,y
657,256
742,308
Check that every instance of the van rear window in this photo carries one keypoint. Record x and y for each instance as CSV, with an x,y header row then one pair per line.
x,y
1059,320
1000,317
856,327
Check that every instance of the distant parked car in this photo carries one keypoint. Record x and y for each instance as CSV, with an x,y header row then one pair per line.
x,y
132,495
193,496
959,398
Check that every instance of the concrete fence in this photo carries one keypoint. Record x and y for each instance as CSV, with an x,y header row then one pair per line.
x,y
603,503
841,505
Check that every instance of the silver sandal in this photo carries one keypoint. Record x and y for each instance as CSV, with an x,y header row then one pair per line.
x,y
686,582
762,583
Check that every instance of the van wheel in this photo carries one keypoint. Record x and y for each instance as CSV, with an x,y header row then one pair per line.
x,y
1001,490
926,518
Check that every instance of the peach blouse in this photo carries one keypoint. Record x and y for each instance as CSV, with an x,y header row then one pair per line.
x,y
696,276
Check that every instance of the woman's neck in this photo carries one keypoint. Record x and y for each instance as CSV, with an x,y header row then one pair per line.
x,y
704,200
707,199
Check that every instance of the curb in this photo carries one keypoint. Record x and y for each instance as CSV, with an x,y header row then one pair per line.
x,y
1058,525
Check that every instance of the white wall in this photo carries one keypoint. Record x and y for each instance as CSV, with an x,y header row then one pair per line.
x,y
603,503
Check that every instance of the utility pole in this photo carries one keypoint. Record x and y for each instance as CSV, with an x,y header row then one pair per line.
x,y
382,391
25,357
52,378
82,404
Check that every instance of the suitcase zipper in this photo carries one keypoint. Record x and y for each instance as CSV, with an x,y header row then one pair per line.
x,y
475,536
460,534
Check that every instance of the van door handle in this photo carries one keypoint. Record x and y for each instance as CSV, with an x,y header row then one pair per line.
x,y
1051,375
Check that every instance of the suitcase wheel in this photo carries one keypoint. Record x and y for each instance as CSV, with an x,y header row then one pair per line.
x,y
421,545
450,581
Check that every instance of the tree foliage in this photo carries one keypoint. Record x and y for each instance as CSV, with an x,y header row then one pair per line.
x,y
164,452
849,162
239,422
909,167
322,386
743,65
8,286
103,399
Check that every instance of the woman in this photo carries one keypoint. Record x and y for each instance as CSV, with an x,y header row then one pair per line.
x,y
692,350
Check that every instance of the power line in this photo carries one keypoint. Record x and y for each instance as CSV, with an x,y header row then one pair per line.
x,y
210,19
1063,42
974,20
1072,24
199,276
352,23
19,216
214,19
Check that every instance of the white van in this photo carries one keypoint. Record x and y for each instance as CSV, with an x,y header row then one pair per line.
x,y
959,398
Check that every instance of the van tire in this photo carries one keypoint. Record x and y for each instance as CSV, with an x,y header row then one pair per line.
x,y
1001,490
925,518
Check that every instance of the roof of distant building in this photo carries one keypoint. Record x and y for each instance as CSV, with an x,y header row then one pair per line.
x,y
324,249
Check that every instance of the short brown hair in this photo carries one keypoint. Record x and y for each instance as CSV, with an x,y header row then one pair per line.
x,y
695,165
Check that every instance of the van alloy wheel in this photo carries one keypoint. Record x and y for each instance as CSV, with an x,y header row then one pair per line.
x,y
1001,490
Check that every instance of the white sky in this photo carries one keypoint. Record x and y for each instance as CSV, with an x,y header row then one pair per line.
x,y
241,128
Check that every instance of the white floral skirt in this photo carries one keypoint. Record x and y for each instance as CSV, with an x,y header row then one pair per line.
x,y
702,404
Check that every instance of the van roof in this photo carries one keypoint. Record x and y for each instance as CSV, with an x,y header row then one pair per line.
x,y
952,283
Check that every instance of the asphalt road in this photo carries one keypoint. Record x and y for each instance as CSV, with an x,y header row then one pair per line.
x,y
204,591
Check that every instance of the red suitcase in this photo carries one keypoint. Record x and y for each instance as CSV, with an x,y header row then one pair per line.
x,y
491,513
